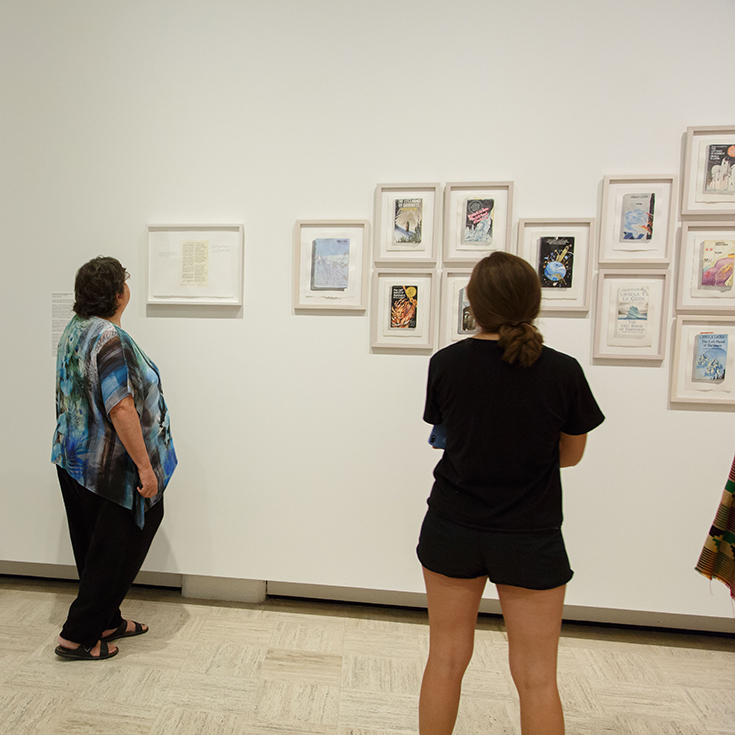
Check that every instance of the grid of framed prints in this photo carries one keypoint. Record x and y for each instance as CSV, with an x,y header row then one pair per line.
x,y
195,264
331,264
709,171
561,251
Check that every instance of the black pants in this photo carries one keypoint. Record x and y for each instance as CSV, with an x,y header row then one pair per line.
x,y
109,550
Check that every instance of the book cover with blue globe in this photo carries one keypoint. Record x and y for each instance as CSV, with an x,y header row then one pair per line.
x,y
710,358
556,262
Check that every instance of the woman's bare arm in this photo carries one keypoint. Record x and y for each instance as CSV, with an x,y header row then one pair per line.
x,y
571,449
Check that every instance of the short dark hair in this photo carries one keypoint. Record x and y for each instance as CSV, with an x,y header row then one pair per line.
x,y
505,297
97,286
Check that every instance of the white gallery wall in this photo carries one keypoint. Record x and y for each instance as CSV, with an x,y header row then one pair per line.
x,y
303,455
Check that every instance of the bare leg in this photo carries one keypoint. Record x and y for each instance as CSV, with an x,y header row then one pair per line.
x,y
453,605
533,622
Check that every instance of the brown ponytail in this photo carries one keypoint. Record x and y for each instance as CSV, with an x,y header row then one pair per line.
x,y
505,296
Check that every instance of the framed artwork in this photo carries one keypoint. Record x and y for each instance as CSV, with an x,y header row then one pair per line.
x,y
638,220
706,259
561,252
403,308
704,352
630,323
195,264
477,220
455,319
709,171
331,264
407,224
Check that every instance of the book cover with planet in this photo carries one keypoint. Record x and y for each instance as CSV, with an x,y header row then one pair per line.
x,y
556,262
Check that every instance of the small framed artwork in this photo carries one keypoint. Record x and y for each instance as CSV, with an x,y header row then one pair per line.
x,y
455,318
403,308
709,171
407,224
331,264
477,220
706,258
561,252
630,323
195,264
638,220
704,353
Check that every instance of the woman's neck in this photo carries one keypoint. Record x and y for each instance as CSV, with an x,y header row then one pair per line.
x,y
486,335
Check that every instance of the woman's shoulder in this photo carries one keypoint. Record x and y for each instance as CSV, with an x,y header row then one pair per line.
x,y
558,361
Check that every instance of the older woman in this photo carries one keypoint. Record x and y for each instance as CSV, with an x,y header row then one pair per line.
x,y
114,457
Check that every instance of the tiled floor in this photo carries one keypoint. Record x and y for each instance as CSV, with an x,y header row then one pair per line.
x,y
301,668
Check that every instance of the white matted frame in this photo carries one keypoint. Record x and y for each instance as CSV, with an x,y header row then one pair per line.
x,y
630,322
706,258
561,252
703,368
331,264
407,224
638,220
709,171
195,264
403,305
477,220
455,320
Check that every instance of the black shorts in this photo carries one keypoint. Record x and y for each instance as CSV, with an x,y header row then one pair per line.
x,y
536,560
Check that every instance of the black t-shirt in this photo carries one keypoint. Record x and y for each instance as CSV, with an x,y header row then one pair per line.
x,y
500,469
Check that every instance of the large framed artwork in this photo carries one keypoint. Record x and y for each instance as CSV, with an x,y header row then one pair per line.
x,y
407,224
331,264
477,220
455,318
560,250
706,258
630,323
709,171
638,220
704,353
195,264
403,308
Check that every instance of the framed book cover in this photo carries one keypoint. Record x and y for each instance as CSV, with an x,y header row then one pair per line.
x,y
703,368
402,310
638,220
630,321
560,250
455,317
709,171
706,257
195,264
407,224
331,264
477,220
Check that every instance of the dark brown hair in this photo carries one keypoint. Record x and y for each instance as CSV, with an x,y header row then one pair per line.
x,y
97,286
505,296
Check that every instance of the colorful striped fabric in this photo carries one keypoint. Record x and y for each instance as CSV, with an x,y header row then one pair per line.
x,y
717,560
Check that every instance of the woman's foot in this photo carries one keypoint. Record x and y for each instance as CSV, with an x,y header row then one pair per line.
x,y
126,629
95,652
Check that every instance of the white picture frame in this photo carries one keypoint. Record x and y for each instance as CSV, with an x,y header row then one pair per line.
x,y
707,189
331,265
453,311
404,212
195,264
638,220
471,232
618,334
685,386
384,332
538,237
706,256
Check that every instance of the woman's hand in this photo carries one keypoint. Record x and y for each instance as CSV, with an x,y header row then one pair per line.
x,y
148,483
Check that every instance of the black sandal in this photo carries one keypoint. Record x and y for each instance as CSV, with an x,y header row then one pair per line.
x,y
84,653
122,631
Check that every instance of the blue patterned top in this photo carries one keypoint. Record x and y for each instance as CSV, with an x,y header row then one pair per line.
x,y
99,364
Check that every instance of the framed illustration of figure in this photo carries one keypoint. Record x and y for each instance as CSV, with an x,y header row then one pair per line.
x,y
402,308
703,368
709,171
477,220
195,264
560,250
331,264
407,224
630,322
455,318
706,258
637,225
